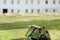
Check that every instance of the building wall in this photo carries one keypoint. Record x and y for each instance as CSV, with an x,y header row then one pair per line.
x,y
20,6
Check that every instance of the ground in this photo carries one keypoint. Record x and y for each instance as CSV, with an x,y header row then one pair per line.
x,y
20,34
15,26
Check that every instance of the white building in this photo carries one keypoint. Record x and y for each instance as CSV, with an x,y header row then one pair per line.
x,y
29,6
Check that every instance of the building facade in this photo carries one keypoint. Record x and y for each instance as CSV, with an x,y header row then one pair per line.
x,y
29,6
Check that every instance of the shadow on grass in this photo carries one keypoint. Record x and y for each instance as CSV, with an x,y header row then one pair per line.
x,y
19,39
53,24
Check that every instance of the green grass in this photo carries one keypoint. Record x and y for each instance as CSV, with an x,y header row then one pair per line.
x,y
15,26
53,24
20,33
22,21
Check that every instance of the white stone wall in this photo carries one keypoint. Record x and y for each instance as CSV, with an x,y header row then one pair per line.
x,y
35,6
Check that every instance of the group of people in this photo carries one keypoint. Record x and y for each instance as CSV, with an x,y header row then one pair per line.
x,y
37,33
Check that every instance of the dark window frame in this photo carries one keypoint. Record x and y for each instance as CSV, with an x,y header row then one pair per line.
x,y
26,1
54,10
32,10
26,10
18,1
46,2
5,11
12,1
46,10
38,1
59,1
32,1
18,11
54,1
5,1
12,10
38,10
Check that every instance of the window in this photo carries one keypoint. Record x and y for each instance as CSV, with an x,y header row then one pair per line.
x,y
38,11
53,10
38,1
26,10
12,1
18,1
18,11
46,10
31,1
46,2
26,1
32,10
12,10
5,1
54,2
59,1
5,10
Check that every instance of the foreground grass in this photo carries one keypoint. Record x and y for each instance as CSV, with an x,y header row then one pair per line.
x,y
52,24
51,21
15,26
20,33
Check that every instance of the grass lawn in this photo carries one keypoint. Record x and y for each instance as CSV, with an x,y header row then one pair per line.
x,y
20,34
14,27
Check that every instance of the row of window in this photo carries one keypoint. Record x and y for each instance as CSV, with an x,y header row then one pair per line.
x,y
12,1
38,1
32,10
54,2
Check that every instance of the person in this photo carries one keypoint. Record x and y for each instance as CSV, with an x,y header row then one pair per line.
x,y
32,33
44,34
